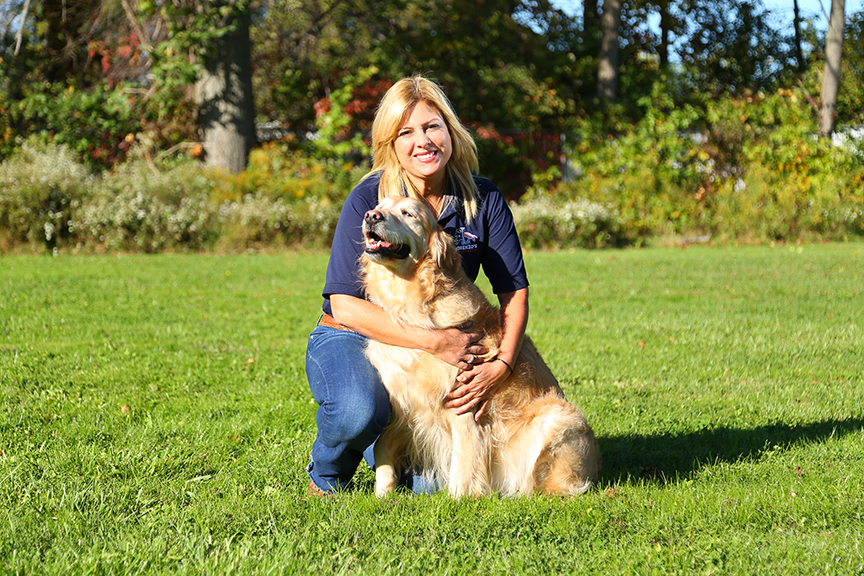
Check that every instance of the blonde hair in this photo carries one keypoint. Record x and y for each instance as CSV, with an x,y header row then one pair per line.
x,y
395,106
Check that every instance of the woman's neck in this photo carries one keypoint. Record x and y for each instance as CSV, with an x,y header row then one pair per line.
x,y
430,189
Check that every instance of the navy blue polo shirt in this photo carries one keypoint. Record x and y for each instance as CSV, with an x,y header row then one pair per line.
x,y
490,241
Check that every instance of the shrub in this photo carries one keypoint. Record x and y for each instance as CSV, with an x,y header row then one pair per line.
x,y
48,200
142,209
736,168
555,221
41,187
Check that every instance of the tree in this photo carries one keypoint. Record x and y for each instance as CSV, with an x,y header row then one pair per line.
x,y
850,101
607,72
204,57
796,24
831,74
732,48
516,79
223,93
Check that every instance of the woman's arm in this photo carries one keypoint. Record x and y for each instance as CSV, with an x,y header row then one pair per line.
x,y
514,319
480,381
451,345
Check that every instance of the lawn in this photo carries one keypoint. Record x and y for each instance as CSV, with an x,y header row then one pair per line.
x,y
154,418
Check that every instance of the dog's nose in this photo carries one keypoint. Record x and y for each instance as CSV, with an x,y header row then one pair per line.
x,y
373,216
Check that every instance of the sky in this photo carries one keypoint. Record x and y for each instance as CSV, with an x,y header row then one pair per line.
x,y
782,8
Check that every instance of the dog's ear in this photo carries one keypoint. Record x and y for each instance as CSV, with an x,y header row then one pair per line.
x,y
443,251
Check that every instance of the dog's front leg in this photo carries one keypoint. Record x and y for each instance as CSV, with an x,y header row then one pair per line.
x,y
386,455
469,465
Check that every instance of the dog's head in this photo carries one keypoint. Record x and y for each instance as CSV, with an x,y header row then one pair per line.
x,y
401,232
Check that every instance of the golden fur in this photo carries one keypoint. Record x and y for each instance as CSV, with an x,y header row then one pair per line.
x,y
529,440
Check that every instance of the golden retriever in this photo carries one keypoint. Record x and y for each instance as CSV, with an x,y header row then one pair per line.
x,y
529,440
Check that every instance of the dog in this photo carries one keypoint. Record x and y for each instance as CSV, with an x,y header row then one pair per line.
x,y
529,440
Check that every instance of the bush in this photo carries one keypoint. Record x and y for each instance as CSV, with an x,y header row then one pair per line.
x,y
748,167
49,201
742,168
41,187
555,222
142,209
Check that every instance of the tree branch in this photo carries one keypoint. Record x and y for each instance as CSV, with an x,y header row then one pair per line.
x,y
136,25
19,35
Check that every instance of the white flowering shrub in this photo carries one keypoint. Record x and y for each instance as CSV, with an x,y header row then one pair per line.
x,y
48,200
142,209
553,222
40,189
257,220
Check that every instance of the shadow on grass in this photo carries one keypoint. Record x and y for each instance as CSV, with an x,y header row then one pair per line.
x,y
667,457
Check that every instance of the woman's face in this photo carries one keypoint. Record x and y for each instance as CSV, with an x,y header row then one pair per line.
x,y
423,147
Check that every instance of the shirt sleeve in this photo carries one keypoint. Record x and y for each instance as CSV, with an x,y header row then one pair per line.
x,y
343,268
503,264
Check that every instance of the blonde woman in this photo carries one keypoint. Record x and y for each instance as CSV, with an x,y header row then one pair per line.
x,y
420,149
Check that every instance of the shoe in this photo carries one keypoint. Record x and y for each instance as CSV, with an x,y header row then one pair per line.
x,y
315,491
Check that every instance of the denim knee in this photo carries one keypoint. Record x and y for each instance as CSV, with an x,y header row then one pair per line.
x,y
355,419
353,404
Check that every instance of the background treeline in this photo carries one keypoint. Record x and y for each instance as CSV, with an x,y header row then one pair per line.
x,y
192,124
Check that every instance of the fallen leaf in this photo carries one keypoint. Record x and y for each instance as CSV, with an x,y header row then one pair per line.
x,y
124,408
641,344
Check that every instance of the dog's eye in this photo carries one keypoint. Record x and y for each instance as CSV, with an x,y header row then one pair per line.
x,y
408,214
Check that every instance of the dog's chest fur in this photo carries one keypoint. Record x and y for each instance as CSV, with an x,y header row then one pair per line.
x,y
431,299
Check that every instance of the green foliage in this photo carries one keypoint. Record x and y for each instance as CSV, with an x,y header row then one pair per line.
x,y
155,418
99,125
850,100
552,221
343,132
759,178
734,168
50,201
141,209
77,78
733,48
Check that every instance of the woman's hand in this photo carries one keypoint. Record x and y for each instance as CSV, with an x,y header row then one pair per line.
x,y
456,346
478,385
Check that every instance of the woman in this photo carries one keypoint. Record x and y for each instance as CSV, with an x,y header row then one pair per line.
x,y
420,149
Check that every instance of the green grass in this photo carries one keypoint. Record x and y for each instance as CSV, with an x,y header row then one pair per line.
x,y
154,418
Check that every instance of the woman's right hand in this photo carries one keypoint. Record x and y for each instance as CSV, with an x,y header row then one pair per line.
x,y
456,346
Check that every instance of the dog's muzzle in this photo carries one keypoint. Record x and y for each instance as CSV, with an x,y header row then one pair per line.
x,y
375,244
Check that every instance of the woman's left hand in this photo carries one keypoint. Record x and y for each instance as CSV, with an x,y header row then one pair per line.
x,y
478,385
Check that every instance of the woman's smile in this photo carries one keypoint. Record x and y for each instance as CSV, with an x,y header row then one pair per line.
x,y
423,148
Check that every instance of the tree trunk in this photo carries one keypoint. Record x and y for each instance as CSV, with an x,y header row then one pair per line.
x,y
665,32
226,114
607,74
831,75
796,22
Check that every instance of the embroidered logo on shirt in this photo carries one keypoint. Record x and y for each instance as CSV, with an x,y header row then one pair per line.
x,y
465,241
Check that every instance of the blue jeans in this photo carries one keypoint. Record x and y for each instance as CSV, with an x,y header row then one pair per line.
x,y
353,406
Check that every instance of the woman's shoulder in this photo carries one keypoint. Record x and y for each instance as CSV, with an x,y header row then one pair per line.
x,y
365,193
490,196
484,185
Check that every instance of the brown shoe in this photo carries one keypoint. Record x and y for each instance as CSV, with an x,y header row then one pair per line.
x,y
317,492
